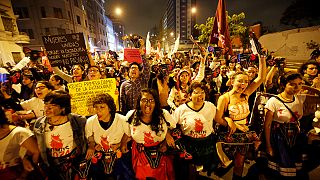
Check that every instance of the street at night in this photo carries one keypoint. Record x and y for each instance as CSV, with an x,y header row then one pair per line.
x,y
159,89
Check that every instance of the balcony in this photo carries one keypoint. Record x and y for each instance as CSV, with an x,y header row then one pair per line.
x,y
21,38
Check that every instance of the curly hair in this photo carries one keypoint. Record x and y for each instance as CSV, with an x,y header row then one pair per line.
x,y
108,100
157,114
304,66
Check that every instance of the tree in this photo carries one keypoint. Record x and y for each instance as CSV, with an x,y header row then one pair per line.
x,y
301,13
235,22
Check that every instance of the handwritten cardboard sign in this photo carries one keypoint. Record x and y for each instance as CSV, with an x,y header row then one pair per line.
x,y
66,49
132,55
82,94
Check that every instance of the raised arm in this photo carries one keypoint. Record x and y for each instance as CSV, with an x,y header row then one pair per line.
x,y
171,98
261,77
90,58
202,67
270,75
63,75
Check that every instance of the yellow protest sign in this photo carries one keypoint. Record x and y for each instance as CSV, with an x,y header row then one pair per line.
x,y
83,92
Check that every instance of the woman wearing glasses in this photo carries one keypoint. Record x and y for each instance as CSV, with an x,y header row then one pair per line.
x,y
34,107
61,138
94,73
148,127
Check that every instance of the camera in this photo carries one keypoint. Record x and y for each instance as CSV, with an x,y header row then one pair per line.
x,y
5,82
279,61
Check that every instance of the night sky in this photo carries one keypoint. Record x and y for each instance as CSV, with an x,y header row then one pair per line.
x,y
141,15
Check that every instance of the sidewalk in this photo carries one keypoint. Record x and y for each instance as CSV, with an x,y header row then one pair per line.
x,y
313,175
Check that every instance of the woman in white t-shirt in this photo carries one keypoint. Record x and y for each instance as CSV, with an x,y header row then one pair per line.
x,y
34,107
282,127
196,119
148,127
61,138
104,131
12,139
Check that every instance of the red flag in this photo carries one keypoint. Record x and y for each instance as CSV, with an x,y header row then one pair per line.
x,y
220,31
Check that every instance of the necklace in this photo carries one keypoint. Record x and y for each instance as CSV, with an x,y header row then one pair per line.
x,y
57,121
286,99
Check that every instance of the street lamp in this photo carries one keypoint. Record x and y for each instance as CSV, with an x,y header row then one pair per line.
x,y
193,10
118,11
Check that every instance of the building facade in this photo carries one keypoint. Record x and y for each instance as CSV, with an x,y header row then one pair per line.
x,y
11,40
96,23
111,39
53,17
119,31
178,19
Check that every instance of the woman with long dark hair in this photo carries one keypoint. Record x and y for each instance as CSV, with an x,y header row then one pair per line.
x,y
282,128
148,127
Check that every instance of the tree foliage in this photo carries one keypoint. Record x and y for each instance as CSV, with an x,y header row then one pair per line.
x,y
301,13
235,22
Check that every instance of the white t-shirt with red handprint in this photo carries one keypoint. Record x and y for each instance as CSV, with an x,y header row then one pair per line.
x,y
196,124
143,133
281,113
103,137
59,140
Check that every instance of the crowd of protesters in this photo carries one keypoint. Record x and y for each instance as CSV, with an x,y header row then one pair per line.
x,y
177,116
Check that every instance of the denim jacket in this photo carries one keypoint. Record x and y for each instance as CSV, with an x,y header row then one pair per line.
x,y
78,126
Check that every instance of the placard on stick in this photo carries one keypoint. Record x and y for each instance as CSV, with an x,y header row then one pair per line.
x,y
83,92
66,49
132,55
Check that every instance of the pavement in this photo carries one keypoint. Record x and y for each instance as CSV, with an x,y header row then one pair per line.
x,y
313,175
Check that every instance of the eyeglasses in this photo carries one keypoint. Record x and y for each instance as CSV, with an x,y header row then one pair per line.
x,y
41,87
145,101
93,70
